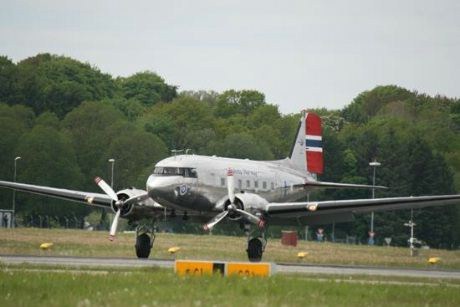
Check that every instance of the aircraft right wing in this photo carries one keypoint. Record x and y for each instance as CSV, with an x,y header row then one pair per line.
x,y
95,199
334,207
337,185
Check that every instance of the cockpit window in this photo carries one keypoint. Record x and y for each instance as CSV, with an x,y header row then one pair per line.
x,y
175,171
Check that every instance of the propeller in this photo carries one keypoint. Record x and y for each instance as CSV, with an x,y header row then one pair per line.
x,y
113,228
118,203
232,208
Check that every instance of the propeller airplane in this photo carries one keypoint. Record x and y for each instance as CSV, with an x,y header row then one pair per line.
x,y
253,194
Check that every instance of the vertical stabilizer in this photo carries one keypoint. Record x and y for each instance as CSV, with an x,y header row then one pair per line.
x,y
307,150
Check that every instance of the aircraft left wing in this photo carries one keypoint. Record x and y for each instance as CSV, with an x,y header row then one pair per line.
x,y
299,209
89,198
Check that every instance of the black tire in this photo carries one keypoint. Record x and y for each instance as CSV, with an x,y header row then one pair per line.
x,y
143,246
255,250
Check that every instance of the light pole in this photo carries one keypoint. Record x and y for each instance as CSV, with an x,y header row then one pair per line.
x,y
14,192
373,164
411,224
111,178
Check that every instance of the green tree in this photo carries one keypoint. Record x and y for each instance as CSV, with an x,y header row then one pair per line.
x,y
8,79
48,159
136,152
243,102
58,84
241,145
178,122
14,122
92,127
368,103
146,87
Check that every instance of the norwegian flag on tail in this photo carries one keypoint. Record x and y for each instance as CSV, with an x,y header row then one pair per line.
x,y
314,143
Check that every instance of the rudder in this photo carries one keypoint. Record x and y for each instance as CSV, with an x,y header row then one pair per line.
x,y
307,150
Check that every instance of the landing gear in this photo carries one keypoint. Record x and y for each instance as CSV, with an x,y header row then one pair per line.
x,y
256,243
144,241
256,247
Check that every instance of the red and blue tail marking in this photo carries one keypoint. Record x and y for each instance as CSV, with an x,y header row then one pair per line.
x,y
314,143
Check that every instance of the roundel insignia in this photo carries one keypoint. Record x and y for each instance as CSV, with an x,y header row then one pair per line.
x,y
183,189
312,206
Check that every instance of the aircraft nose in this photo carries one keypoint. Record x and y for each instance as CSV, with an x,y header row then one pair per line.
x,y
157,185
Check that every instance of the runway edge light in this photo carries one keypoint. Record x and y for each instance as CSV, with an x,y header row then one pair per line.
x,y
46,245
434,260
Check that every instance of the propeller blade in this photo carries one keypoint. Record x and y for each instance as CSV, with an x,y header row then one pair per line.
x,y
106,188
230,185
113,228
251,218
215,220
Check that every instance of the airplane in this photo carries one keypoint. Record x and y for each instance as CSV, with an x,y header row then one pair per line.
x,y
253,194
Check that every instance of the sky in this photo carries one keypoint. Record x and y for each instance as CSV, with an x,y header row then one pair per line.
x,y
299,53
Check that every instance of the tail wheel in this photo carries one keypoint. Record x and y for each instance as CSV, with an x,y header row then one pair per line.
x,y
143,246
255,250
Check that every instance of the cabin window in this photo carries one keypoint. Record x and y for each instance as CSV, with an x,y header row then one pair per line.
x,y
273,185
248,184
256,184
240,184
222,181
264,185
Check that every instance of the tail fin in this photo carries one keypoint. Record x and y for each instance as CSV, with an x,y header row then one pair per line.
x,y
307,150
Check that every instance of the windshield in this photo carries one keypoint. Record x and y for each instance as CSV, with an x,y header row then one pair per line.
x,y
175,171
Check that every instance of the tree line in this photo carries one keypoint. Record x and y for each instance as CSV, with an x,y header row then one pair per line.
x,y
66,119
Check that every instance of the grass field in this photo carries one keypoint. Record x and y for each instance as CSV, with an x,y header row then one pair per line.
x,y
26,241
160,287
28,285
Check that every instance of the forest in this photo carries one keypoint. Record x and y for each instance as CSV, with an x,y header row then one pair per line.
x,y
66,119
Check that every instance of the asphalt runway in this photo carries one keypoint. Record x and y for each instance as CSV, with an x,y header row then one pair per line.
x,y
278,267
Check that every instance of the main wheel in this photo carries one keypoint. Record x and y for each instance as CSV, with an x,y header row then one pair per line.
x,y
255,250
143,246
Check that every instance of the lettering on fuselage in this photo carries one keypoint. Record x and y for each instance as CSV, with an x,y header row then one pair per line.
x,y
245,172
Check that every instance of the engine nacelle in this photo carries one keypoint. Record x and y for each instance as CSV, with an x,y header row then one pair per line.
x,y
246,201
130,209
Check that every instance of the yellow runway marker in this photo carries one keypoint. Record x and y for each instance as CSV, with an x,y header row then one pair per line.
x,y
198,268
248,269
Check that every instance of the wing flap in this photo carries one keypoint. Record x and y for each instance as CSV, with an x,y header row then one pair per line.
x,y
95,199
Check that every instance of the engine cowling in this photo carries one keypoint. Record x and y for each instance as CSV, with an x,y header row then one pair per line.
x,y
249,202
133,209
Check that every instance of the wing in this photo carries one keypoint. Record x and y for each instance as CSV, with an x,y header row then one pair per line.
x,y
96,199
336,185
347,207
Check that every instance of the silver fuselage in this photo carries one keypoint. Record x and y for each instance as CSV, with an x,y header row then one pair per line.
x,y
274,181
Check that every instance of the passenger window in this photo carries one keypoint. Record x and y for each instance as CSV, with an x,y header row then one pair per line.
x,y
240,184
222,181
256,184
273,185
264,185
248,184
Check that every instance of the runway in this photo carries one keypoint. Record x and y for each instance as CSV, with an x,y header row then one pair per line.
x,y
283,268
